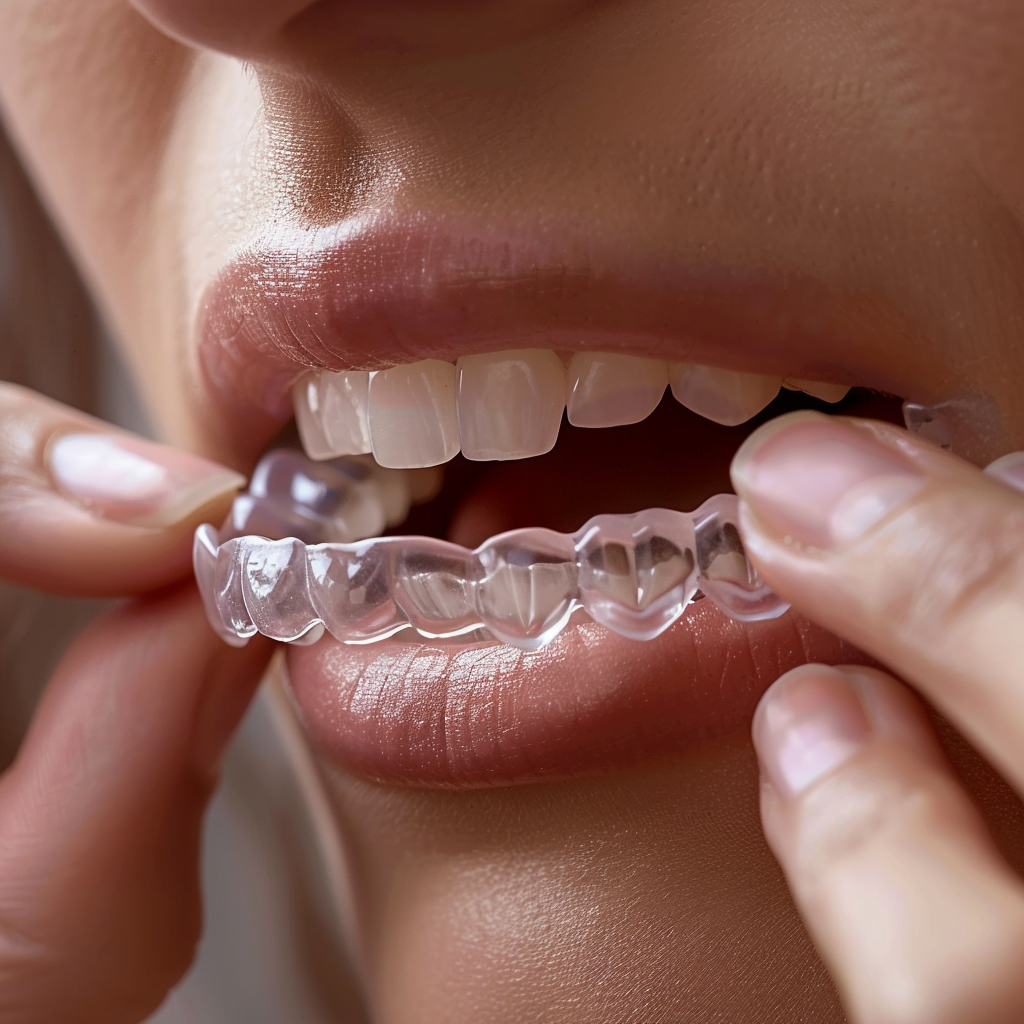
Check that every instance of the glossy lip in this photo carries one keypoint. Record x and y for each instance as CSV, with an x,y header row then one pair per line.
x,y
472,716
376,292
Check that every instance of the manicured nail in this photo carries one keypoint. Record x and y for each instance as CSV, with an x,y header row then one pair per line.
x,y
133,481
809,722
819,480
1009,469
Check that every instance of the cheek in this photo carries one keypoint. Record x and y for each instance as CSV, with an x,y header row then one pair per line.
x,y
581,902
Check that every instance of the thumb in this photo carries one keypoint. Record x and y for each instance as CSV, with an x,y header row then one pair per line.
x,y
101,814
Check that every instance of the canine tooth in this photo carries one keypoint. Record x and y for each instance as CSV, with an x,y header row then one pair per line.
x,y
330,412
510,403
723,396
606,389
817,389
412,415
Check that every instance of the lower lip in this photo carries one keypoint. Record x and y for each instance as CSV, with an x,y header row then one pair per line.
x,y
476,715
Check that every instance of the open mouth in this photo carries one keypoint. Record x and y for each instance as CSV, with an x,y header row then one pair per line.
x,y
302,552
579,529
587,402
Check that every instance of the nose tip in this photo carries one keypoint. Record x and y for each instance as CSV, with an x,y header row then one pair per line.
x,y
260,29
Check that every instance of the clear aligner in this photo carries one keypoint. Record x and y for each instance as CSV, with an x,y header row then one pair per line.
x,y
634,574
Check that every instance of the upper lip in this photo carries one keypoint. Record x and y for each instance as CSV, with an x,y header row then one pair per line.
x,y
376,291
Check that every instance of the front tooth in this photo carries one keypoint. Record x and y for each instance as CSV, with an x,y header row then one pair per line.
x,y
818,389
723,396
412,415
510,403
610,390
330,412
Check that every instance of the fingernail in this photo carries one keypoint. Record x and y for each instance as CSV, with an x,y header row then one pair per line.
x,y
809,722
1009,469
133,481
819,480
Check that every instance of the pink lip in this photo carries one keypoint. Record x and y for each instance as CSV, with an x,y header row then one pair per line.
x,y
371,293
467,717
382,291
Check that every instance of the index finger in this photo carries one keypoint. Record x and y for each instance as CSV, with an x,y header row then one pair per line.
x,y
86,509
910,553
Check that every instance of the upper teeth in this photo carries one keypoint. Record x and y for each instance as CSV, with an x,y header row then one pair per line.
x,y
508,405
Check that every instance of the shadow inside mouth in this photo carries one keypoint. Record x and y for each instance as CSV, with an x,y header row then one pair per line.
x,y
673,459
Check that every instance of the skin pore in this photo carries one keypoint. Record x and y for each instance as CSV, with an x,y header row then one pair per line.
x,y
874,149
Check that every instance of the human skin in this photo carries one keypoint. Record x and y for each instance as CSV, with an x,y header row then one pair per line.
x,y
873,149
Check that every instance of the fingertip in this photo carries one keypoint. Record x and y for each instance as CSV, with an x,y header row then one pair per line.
x,y
808,723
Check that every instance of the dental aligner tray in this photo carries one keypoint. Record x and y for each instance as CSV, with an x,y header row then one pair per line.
x,y
635,574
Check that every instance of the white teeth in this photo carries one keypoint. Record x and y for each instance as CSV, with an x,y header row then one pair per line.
x,y
510,403
330,412
610,390
411,414
723,396
817,389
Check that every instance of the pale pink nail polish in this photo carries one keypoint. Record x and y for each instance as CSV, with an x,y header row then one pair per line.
x,y
808,723
821,481
133,481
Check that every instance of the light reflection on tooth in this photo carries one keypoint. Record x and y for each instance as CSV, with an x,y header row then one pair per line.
x,y
510,403
608,389
722,396
331,413
830,393
412,415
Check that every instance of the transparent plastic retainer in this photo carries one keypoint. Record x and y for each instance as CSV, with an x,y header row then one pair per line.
x,y
635,574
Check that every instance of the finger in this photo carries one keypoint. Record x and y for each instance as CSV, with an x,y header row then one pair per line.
x,y
100,815
86,509
901,888
908,552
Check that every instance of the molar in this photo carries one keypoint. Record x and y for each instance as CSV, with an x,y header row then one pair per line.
x,y
331,413
510,403
411,414
610,390
722,396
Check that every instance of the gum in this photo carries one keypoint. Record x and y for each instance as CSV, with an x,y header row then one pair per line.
x,y
635,574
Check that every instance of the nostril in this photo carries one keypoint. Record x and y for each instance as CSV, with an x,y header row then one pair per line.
x,y
264,29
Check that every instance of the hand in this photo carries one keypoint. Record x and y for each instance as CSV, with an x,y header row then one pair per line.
x,y
918,559
101,813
